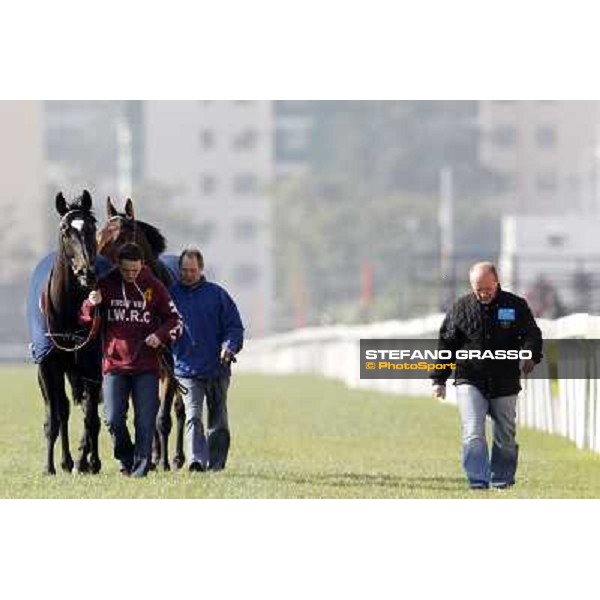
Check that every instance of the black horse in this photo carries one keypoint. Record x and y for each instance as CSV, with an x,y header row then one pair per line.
x,y
61,347
120,229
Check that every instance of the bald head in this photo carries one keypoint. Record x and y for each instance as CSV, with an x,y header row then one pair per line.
x,y
484,281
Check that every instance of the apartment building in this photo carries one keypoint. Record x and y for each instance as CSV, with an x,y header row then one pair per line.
x,y
547,152
214,162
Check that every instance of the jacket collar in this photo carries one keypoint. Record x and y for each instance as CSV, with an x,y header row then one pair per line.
x,y
495,301
194,286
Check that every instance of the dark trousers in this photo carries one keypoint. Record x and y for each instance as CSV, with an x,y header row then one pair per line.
x,y
143,388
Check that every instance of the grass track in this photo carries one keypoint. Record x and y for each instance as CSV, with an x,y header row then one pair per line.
x,y
296,437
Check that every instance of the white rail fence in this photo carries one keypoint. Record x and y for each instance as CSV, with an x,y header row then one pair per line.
x,y
569,406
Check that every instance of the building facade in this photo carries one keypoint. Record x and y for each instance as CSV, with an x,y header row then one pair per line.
x,y
212,163
24,229
25,213
546,151
94,145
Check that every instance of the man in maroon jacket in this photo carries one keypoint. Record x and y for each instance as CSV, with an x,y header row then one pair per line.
x,y
137,317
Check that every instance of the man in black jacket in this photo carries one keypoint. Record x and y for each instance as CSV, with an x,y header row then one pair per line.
x,y
489,319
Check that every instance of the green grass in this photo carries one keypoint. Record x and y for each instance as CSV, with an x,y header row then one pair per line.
x,y
296,437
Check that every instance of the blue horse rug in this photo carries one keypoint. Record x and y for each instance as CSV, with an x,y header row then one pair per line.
x,y
36,321
172,263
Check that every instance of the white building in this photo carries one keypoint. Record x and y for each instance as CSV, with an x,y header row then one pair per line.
x,y
22,188
546,151
86,149
563,250
215,161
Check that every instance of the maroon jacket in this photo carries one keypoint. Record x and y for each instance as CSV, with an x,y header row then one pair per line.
x,y
129,313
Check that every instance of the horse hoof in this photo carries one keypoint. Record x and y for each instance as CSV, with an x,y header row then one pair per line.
x,y
49,471
166,466
95,467
67,466
152,466
179,461
82,466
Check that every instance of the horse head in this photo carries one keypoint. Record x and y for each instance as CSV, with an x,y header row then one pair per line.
x,y
119,229
77,236
122,227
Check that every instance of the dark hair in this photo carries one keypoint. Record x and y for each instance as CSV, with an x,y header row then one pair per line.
x,y
192,253
130,251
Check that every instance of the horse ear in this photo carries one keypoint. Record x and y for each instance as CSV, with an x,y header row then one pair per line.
x,y
86,201
61,204
129,209
111,211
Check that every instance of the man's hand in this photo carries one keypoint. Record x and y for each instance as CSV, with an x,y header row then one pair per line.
x,y
439,391
153,341
95,297
527,366
226,356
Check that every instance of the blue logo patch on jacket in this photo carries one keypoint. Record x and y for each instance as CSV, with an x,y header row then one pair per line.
x,y
506,314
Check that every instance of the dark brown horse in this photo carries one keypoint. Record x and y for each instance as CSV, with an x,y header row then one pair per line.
x,y
120,229
62,348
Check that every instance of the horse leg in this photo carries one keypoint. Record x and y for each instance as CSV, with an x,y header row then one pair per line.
x,y
163,420
82,464
47,377
156,445
179,458
92,425
78,389
156,449
88,446
63,412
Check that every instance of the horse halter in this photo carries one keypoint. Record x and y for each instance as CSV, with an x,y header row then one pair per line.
x,y
125,219
110,241
64,226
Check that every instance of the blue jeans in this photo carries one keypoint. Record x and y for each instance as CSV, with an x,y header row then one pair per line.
x,y
473,408
208,450
143,387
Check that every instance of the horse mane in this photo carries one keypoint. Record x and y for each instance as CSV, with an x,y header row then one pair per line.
x,y
156,240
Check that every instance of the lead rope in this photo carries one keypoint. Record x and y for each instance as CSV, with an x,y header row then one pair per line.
x,y
53,335
179,387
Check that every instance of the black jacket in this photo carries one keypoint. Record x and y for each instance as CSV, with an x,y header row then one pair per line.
x,y
506,323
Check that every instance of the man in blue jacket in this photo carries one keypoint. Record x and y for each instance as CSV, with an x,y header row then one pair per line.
x,y
213,335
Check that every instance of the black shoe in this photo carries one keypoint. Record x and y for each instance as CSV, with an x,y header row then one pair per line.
x,y
478,485
196,467
503,485
139,473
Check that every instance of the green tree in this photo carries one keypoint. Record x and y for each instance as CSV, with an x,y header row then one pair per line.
x,y
370,197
